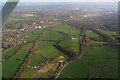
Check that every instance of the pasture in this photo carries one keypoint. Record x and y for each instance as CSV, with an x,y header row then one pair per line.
x,y
10,51
14,62
71,46
93,36
33,35
99,62
112,34
51,35
71,31
44,50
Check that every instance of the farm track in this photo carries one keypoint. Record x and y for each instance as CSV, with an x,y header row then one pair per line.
x,y
66,66
31,50
17,50
61,70
82,41
27,60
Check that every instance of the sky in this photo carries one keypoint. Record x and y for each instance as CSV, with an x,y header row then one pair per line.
x,y
64,0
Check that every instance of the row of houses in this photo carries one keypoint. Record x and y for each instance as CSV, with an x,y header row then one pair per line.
x,y
15,37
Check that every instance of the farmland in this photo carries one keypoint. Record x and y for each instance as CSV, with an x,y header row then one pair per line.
x,y
71,31
14,62
61,41
92,65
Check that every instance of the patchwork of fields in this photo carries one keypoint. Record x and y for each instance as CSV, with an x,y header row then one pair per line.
x,y
60,43
66,37
17,54
99,62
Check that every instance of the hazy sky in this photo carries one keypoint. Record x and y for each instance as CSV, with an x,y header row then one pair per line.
x,y
65,0
73,0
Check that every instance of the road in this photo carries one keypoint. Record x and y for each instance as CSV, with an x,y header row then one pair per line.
x,y
27,60
82,41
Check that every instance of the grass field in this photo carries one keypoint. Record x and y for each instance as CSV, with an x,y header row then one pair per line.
x,y
112,34
45,49
93,35
16,23
33,35
9,51
11,65
12,21
49,49
100,62
78,19
71,31
70,45
51,35
28,73
17,19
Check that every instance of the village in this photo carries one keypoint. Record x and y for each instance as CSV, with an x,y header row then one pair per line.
x,y
15,34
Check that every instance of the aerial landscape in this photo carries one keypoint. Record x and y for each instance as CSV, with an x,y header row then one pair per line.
x,y
61,40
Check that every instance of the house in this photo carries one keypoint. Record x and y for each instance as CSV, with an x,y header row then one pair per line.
x,y
38,27
22,29
74,38
61,61
34,23
41,21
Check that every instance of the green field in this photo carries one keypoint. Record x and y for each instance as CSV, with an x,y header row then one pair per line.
x,y
112,34
93,35
9,51
33,35
11,65
74,41
28,72
69,45
78,20
51,35
45,49
100,62
16,20
71,31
